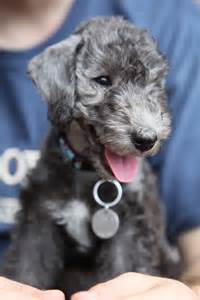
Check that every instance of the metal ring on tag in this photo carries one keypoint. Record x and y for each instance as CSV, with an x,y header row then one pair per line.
x,y
100,201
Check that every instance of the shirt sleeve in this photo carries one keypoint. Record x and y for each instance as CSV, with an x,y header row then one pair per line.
x,y
176,27
179,169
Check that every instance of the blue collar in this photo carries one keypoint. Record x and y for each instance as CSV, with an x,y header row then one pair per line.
x,y
70,155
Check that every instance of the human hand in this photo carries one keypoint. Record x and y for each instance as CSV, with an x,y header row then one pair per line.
x,y
12,290
133,286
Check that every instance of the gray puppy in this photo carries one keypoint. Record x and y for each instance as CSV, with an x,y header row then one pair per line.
x,y
105,89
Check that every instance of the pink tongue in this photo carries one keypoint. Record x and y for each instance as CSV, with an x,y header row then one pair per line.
x,y
123,167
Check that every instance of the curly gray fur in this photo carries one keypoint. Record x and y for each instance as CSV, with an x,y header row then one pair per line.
x,y
53,245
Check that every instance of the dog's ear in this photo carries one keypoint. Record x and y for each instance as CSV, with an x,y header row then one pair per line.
x,y
53,73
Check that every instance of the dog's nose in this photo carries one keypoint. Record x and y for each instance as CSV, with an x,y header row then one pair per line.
x,y
145,140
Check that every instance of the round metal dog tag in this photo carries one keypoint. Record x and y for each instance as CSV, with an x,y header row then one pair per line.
x,y
105,223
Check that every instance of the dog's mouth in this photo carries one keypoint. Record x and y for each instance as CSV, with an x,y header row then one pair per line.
x,y
122,167
86,142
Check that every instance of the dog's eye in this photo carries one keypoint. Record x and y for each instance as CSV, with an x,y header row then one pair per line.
x,y
103,80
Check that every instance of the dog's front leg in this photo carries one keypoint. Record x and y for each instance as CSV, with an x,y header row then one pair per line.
x,y
36,254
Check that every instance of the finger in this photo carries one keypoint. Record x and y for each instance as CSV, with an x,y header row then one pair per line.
x,y
13,287
162,290
123,286
53,295
168,290
7,284
13,295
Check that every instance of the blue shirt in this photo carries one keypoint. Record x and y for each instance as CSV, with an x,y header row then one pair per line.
x,y
175,24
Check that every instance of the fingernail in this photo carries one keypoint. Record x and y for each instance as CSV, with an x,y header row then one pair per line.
x,y
53,295
84,296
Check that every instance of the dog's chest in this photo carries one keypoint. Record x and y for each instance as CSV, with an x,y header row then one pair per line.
x,y
74,217
75,213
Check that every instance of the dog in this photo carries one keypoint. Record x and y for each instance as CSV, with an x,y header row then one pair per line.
x,y
107,103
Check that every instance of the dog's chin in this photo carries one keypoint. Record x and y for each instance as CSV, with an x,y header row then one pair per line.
x,y
100,163
153,151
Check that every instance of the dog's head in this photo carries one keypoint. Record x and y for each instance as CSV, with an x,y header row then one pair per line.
x,y
105,88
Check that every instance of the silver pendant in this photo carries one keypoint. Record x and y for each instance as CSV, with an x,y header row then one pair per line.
x,y
105,221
